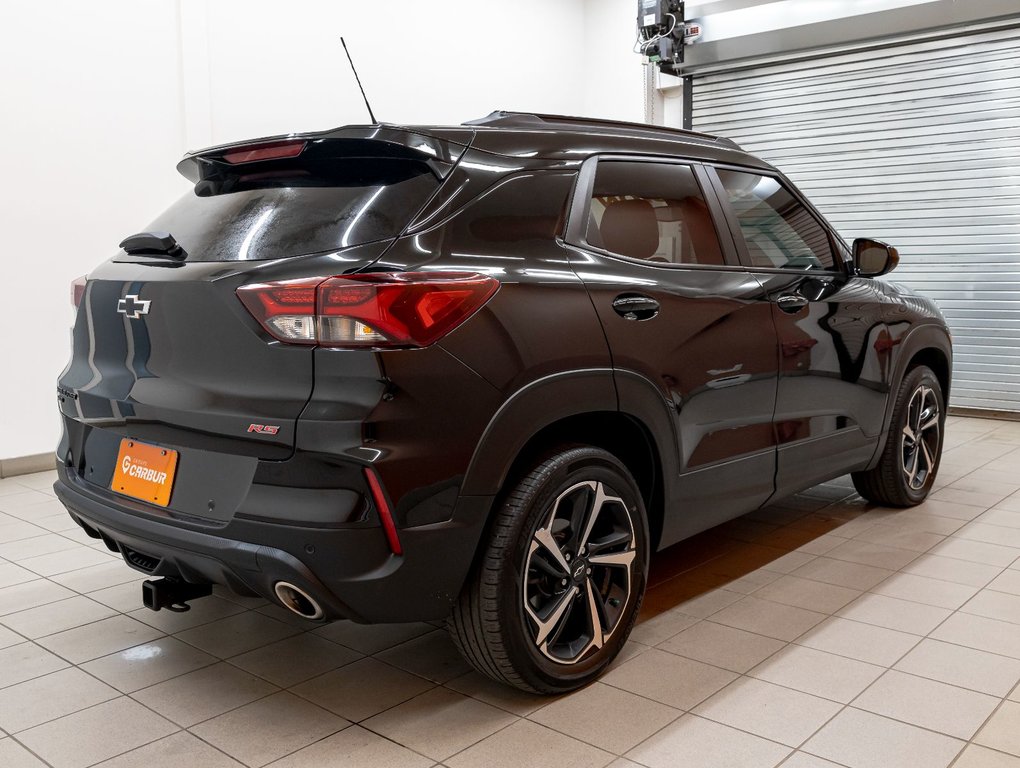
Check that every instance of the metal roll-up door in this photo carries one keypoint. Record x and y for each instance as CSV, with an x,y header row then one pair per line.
x,y
917,144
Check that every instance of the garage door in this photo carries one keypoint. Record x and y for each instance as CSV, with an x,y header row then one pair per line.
x,y
919,145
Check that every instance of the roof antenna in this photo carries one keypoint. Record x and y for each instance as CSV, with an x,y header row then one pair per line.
x,y
355,71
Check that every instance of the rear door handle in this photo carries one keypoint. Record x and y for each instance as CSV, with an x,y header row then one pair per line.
x,y
635,306
791,302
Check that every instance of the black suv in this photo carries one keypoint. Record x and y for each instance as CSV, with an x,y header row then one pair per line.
x,y
480,373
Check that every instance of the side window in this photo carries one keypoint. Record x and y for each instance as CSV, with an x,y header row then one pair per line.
x,y
650,211
778,230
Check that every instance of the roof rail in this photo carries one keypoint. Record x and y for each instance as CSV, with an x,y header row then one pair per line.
x,y
507,119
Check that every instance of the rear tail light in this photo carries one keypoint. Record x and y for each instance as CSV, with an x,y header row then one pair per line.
x,y
409,309
77,291
270,150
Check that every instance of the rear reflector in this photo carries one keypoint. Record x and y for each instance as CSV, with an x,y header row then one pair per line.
x,y
383,507
77,291
273,150
409,309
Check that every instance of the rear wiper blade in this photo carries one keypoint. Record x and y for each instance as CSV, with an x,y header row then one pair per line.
x,y
154,244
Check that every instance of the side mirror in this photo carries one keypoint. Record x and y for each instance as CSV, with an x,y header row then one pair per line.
x,y
873,258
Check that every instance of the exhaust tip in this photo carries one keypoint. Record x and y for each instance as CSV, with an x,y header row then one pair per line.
x,y
297,600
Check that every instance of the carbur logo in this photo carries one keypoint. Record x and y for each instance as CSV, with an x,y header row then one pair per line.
x,y
142,472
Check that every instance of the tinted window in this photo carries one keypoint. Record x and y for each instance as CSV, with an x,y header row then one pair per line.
x,y
778,230
652,212
528,206
296,209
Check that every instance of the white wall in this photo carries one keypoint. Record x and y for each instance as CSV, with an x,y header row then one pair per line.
x,y
101,99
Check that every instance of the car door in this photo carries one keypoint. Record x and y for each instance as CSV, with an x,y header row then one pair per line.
x,y
835,335
686,325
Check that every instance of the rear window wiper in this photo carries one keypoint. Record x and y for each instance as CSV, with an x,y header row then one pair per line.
x,y
154,244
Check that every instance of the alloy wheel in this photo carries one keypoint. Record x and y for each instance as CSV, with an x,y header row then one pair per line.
x,y
577,576
920,441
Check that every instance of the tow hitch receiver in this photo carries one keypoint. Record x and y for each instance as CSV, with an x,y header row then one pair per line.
x,y
172,594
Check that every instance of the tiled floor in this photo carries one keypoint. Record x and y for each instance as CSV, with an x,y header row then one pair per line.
x,y
818,632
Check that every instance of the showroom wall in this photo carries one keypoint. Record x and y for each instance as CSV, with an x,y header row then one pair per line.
x,y
102,99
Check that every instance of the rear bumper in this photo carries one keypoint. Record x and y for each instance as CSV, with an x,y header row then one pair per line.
x,y
349,571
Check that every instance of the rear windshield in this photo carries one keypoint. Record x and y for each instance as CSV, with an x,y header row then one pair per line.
x,y
274,210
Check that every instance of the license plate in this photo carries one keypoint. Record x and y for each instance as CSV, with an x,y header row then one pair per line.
x,y
144,472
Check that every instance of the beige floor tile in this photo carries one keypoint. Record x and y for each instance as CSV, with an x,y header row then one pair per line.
x,y
236,634
181,750
15,503
711,602
96,734
41,542
876,555
981,633
921,589
99,638
26,660
722,646
662,627
822,544
121,597
954,570
582,715
764,617
432,656
483,688
202,612
807,593
965,667
672,680
991,534
527,744
789,562
422,724
982,499
372,638
1002,731
139,667
362,689
927,703
994,605
694,741
753,581
864,740
13,755
864,642
14,574
48,697
1008,581
204,693
9,638
893,613
268,729
804,760
976,551
1010,503
100,576
924,522
56,617
67,560
39,481
818,673
31,594
894,536
951,509
768,710
975,756
296,659
843,573
353,747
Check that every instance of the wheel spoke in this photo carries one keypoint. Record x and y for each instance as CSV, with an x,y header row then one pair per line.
x,y
911,472
544,537
929,461
931,422
909,434
595,615
597,505
621,559
546,626
614,540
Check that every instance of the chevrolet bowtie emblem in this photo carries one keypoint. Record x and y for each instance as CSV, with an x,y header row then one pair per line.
x,y
133,307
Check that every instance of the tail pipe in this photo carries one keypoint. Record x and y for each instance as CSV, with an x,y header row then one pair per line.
x,y
298,601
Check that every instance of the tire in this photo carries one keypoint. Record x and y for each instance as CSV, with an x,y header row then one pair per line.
x,y
524,616
907,467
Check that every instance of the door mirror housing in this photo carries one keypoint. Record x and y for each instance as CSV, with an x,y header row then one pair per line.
x,y
873,258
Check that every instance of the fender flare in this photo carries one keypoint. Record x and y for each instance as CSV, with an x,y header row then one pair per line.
x,y
920,338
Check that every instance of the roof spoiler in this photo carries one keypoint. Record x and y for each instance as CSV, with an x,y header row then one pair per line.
x,y
506,119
